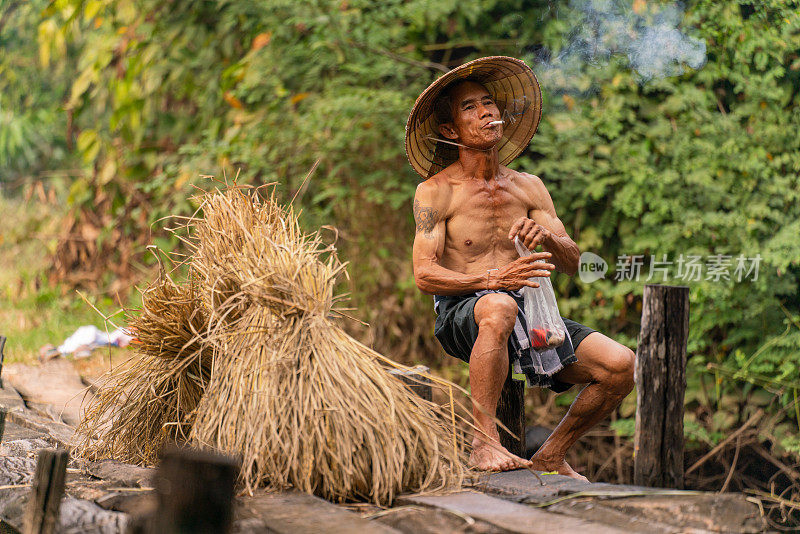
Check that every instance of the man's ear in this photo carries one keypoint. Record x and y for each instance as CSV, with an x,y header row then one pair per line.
x,y
448,131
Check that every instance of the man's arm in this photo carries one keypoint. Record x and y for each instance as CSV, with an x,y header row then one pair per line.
x,y
433,279
542,226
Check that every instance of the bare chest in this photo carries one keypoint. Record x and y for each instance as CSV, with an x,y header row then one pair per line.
x,y
480,218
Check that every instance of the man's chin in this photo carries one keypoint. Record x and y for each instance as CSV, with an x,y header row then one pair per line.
x,y
484,145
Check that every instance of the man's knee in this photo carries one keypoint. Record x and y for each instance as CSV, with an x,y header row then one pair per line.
x,y
619,368
496,313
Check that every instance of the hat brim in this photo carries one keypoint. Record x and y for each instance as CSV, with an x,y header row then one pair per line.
x,y
515,90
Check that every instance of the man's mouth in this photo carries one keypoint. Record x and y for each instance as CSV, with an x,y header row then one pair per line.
x,y
492,124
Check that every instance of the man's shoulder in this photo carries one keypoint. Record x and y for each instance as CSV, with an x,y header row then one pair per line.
x,y
530,188
525,179
437,187
530,184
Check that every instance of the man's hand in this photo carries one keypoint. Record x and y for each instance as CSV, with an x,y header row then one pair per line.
x,y
515,275
530,234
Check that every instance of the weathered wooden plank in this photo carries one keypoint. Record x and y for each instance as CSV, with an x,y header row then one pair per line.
x,y
655,514
294,512
76,515
121,474
14,432
194,491
511,412
632,508
48,490
54,388
661,382
130,502
58,432
16,475
427,520
10,399
16,470
521,485
25,443
510,516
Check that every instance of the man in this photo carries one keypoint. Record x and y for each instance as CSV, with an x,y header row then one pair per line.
x,y
468,212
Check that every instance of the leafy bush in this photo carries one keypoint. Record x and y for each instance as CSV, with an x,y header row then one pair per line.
x,y
32,122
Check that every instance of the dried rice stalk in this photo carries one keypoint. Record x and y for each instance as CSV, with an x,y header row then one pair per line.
x,y
301,402
304,404
149,401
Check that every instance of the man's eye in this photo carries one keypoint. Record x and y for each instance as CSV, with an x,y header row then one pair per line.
x,y
469,107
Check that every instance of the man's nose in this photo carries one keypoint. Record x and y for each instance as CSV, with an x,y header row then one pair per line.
x,y
484,112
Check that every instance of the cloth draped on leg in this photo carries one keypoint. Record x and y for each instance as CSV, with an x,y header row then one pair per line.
x,y
457,331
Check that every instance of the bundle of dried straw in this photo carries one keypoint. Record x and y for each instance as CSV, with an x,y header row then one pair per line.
x,y
248,356
149,401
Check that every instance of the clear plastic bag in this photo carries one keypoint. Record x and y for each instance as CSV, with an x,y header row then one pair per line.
x,y
545,327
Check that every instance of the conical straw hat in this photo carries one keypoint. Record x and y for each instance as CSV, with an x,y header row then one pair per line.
x,y
515,90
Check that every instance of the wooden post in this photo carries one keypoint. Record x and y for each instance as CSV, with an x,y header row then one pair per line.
x,y
195,492
661,382
3,412
416,382
48,488
511,412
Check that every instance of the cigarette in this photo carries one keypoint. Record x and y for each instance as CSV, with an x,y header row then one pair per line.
x,y
494,123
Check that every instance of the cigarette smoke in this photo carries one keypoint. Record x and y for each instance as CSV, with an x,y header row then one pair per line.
x,y
644,33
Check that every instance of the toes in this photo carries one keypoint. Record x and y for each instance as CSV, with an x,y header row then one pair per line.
x,y
518,463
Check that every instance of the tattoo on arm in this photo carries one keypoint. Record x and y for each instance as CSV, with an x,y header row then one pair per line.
x,y
425,218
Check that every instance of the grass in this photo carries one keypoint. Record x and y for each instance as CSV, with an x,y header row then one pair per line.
x,y
33,312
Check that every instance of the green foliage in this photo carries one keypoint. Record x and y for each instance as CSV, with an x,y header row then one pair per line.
x,y
32,121
624,428
696,433
791,444
705,163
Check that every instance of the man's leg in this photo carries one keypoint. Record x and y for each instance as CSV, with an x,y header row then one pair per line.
x,y
495,315
607,368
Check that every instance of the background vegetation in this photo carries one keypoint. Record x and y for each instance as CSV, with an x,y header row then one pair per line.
x,y
111,110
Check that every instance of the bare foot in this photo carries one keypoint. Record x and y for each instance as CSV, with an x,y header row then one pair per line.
x,y
559,466
494,457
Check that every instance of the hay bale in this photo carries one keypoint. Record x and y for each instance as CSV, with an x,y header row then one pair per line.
x,y
301,402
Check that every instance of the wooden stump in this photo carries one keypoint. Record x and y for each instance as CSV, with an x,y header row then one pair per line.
x,y
48,489
511,412
661,382
195,493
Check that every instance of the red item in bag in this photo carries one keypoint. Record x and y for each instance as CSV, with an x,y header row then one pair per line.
x,y
542,338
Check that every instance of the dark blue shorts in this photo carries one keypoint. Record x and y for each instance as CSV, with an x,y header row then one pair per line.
x,y
457,331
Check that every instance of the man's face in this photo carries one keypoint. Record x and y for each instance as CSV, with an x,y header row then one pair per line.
x,y
473,108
